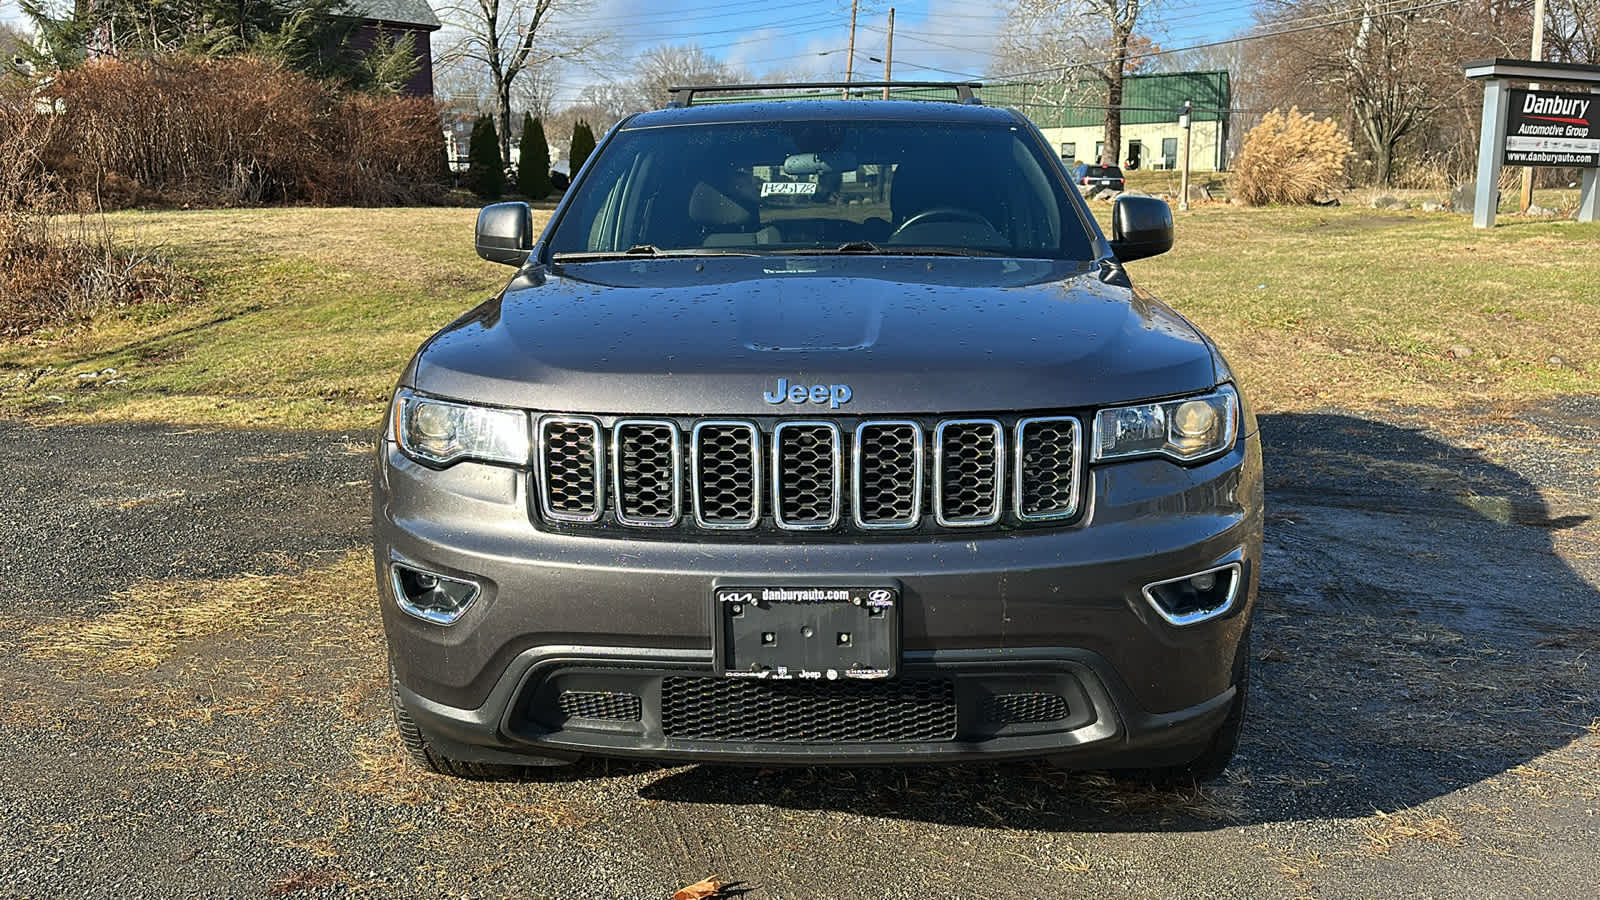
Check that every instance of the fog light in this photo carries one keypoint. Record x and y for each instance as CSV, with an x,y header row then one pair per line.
x,y
430,596
1194,598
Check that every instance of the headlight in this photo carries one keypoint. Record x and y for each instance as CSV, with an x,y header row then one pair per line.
x,y
1185,430
441,432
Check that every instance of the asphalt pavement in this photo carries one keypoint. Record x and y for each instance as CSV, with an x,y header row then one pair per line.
x,y
194,701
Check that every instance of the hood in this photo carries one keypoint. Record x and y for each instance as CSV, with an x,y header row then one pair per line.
x,y
879,335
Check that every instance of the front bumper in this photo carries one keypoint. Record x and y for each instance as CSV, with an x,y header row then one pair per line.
x,y
1041,612
523,719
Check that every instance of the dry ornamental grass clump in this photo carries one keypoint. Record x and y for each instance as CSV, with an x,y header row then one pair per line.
x,y
1291,158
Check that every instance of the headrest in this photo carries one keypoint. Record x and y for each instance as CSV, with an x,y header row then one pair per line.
x,y
709,206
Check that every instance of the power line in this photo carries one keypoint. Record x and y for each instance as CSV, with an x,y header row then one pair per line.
x,y
807,19
1255,36
687,14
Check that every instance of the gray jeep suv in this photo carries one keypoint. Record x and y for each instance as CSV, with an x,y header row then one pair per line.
x,y
820,431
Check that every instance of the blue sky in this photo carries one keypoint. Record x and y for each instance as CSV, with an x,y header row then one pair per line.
x,y
933,38
764,37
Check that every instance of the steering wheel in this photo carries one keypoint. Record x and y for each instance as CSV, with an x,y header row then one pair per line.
x,y
943,214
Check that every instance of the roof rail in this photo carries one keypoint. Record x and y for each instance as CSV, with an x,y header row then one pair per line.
x,y
683,95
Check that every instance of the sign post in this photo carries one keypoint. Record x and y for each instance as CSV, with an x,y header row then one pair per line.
x,y
1536,128
1185,118
1491,153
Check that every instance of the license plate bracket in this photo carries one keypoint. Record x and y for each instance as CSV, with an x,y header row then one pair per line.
x,y
807,632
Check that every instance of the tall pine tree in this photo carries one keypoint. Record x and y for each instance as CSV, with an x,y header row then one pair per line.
x,y
486,174
582,146
533,165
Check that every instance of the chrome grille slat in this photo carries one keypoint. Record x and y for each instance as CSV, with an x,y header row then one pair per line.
x,y
646,482
725,462
571,480
806,474
969,472
1046,479
886,482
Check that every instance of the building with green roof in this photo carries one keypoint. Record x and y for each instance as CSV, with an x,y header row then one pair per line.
x,y
1072,115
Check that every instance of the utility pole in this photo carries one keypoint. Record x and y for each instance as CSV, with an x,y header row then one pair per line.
x,y
850,59
1185,119
1537,56
888,55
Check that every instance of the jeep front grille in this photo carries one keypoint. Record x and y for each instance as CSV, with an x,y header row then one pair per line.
x,y
972,463
646,472
569,469
861,476
726,459
888,474
806,475
1047,468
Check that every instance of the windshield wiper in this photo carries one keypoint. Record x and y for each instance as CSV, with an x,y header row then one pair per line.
x,y
858,247
867,248
646,250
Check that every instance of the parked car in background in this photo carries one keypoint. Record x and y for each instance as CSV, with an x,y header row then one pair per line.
x,y
1085,175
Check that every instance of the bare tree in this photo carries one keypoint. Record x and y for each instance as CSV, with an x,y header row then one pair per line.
x,y
1393,70
667,66
1058,42
508,38
1572,31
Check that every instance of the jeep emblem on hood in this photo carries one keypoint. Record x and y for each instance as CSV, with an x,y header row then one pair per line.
x,y
835,395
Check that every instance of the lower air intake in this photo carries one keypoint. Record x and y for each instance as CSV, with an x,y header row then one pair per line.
x,y
606,705
731,709
1017,708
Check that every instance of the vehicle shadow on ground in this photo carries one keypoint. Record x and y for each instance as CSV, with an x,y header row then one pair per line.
x,y
1416,633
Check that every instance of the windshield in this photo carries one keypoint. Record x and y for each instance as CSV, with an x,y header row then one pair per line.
x,y
822,187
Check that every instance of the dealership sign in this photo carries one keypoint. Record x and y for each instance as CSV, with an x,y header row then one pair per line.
x,y
1548,128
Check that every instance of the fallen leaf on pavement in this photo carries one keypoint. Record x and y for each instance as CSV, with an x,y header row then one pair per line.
x,y
700,890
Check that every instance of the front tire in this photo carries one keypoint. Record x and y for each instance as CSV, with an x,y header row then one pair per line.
x,y
426,756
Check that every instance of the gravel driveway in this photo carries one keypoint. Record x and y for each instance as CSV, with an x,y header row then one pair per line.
x,y
194,701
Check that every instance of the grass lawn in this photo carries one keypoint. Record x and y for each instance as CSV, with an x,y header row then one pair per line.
x,y
307,315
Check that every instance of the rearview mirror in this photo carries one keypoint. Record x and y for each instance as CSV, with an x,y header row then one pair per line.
x,y
830,163
1140,227
505,233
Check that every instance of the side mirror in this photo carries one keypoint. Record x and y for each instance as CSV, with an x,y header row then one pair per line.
x,y
1140,227
505,233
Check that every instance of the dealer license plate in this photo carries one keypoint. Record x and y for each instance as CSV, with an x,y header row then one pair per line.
x,y
807,632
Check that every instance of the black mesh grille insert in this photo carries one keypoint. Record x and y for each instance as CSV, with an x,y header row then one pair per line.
x,y
888,485
807,483
726,467
569,468
732,709
607,705
1049,468
1013,708
969,477
647,473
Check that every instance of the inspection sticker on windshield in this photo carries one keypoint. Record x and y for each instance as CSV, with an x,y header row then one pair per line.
x,y
788,188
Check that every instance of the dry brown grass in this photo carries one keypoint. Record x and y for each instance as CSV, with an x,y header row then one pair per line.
x,y
1386,831
1290,158
155,621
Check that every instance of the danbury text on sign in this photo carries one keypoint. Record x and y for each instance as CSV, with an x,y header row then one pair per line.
x,y
1547,128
